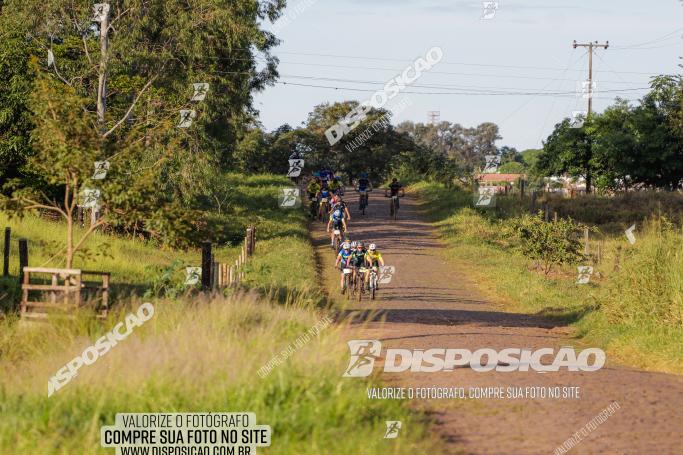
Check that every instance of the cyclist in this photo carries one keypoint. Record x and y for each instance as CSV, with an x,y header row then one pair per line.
x,y
363,185
395,188
324,193
313,188
342,261
357,260
336,222
341,205
340,185
334,185
372,259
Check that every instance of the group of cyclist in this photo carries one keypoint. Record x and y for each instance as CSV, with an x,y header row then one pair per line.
x,y
326,192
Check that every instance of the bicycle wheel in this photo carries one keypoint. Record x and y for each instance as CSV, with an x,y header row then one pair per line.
x,y
359,287
373,287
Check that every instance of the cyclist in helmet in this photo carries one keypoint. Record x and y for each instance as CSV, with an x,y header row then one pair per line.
x,y
357,259
339,204
343,260
395,188
372,258
336,222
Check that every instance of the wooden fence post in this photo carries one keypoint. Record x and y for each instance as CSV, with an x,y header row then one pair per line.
x,y
206,266
586,248
532,203
5,257
23,258
546,211
231,273
248,241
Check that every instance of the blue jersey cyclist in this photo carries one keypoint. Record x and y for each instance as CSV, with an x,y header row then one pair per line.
x,y
336,222
343,261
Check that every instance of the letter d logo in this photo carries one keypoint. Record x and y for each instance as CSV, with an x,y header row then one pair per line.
x,y
363,355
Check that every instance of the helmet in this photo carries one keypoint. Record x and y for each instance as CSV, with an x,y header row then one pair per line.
x,y
394,180
372,247
346,245
337,213
353,244
360,244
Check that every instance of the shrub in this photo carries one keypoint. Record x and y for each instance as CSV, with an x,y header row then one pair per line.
x,y
549,244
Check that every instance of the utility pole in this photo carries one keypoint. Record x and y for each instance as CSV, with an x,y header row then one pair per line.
x,y
434,117
590,47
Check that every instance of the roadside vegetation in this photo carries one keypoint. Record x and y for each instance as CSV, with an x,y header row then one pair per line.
x,y
633,305
197,355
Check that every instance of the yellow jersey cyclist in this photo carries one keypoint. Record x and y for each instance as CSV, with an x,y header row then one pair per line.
x,y
372,259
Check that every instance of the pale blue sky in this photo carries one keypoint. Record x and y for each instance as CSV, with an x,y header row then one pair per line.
x,y
385,36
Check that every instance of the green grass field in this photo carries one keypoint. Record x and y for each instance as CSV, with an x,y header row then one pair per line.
x,y
633,306
198,354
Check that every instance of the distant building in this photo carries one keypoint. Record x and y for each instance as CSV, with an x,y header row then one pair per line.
x,y
501,182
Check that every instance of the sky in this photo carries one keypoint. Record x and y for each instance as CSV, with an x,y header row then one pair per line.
x,y
517,69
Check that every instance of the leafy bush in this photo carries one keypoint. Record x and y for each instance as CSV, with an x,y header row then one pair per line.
x,y
552,243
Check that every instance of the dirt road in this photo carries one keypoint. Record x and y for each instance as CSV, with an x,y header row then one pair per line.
x,y
430,304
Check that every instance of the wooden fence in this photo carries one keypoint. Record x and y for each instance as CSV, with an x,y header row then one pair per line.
x,y
224,275
65,290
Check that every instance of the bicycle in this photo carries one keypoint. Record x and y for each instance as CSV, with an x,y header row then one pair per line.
x,y
323,211
337,240
363,199
359,284
347,282
393,205
372,282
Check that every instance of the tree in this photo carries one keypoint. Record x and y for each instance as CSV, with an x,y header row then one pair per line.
x,y
157,49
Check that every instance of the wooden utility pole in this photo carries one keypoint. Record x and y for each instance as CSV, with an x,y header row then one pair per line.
x,y
590,47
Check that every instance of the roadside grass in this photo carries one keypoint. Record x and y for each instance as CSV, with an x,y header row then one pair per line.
x,y
137,264
632,307
198,356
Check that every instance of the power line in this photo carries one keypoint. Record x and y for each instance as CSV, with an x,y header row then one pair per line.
x,y
458,93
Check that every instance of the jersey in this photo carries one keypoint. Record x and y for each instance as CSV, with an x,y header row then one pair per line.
x,y
341,206
313,188
325,193
363,184
344,255
357,258
395,187
373,257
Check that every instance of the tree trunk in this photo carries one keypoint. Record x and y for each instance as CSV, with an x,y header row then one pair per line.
x,y
69,242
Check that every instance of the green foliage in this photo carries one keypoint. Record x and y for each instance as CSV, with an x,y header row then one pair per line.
x,y
549,243
625,146
512,167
